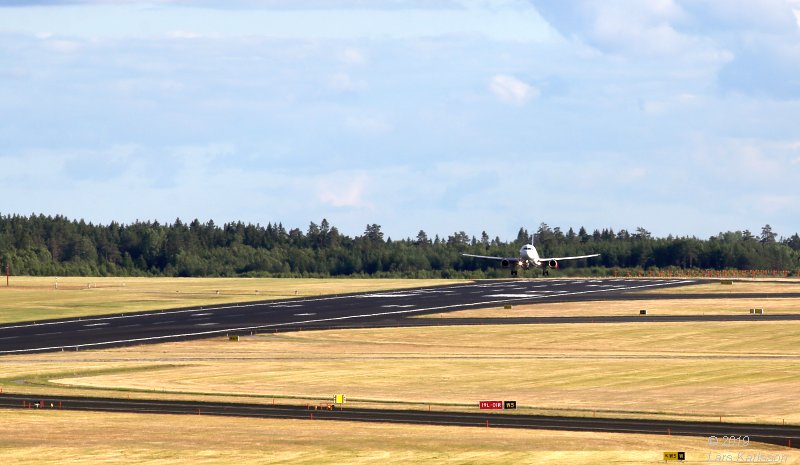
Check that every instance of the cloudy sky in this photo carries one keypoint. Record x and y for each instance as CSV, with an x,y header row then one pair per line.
x,y
680,116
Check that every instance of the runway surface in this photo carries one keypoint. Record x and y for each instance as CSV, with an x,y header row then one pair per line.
x,y
771,434
372,309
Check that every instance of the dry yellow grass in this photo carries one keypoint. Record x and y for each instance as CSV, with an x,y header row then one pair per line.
x,y
39,298
718,306
57,437
738,287
741,371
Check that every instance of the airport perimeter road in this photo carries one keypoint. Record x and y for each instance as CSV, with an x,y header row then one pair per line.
x,y
354,310
772,434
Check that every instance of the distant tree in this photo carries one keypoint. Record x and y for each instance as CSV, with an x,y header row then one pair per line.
x,y
522,237
484,240
583,235
794,242
642,234
460,238
373,233
56,245
767,236
422,238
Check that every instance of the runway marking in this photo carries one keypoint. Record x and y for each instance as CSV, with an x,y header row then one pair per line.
x,y
304,314
384,295
318,320
206,324
202,314
513,296
98,324
398,306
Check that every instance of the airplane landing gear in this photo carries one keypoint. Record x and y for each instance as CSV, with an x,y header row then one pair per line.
x,y
514,272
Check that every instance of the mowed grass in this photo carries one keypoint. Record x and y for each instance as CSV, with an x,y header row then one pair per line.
x,y
56,437
717,306
44,298
741,371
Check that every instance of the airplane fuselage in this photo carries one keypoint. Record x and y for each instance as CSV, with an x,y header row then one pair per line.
x,y
529,253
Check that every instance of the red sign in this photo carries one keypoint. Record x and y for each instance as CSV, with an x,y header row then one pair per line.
x,y
491,405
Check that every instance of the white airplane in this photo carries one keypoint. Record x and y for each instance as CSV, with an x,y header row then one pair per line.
x,y
528,256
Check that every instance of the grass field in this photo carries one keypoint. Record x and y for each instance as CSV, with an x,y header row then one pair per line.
x,y
57,437
718,306
737,287
740,371
40,298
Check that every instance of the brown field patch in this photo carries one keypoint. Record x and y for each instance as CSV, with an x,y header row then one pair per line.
x,y
741,371
717,306
56,437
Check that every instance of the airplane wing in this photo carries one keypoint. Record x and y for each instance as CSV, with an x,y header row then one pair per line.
x,y
513,259
570,258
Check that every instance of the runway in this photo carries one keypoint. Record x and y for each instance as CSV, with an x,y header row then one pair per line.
x,y
372,309
772,434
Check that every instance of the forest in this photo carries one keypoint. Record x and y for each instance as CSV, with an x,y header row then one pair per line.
x,y
41,245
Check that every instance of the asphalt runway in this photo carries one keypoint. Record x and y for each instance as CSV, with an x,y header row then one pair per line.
x,y
372,309
771,434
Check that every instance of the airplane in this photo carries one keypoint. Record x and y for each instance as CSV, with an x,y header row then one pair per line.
x,y
528,256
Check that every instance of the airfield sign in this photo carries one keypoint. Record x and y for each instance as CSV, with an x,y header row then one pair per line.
x,y
497,404
491,405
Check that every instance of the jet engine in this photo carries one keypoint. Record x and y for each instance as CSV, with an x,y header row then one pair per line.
x,y
505,263
552,264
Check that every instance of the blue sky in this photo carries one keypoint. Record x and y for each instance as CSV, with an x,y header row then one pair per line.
x,y
444,115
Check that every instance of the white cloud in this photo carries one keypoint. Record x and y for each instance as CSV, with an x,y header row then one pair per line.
x,y
341,190
185,35
352,56
623,26
511,90
63,46
128,20
774,204
343,82
367,125
668,104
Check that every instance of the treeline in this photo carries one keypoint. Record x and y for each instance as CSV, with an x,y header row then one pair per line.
x,y
58,246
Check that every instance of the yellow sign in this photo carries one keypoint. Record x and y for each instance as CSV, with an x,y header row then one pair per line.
x,y
674,456
338,398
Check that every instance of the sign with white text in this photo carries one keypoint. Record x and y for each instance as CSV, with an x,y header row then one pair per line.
x,y
491,405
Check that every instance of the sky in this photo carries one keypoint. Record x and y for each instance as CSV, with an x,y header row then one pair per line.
x,y
679,116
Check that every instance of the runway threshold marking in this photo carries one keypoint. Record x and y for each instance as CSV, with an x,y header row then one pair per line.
x,y
318,320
